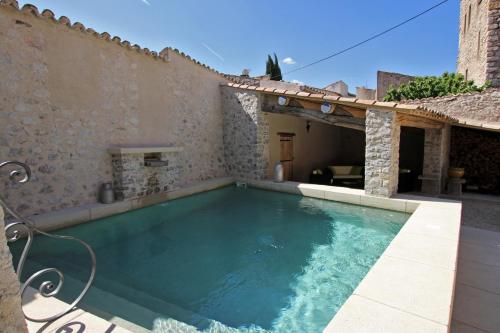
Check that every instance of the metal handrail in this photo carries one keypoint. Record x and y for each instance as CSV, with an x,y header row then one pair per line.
x,y
13,231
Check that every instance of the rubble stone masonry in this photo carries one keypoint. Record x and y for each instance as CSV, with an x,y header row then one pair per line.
x,y
479,41
69,95
382,153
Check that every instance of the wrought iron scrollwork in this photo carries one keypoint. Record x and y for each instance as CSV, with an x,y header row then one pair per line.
x,y
22,226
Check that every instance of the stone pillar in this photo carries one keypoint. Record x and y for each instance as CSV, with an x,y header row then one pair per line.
x,y
246,134
436,159
11,315
382,153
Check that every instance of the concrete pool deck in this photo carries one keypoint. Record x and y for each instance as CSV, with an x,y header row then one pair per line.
x,y
410,288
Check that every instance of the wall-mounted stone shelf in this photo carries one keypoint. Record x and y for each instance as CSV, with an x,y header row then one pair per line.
x,y
143,150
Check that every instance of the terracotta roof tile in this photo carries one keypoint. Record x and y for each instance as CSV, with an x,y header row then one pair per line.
x,y
361,103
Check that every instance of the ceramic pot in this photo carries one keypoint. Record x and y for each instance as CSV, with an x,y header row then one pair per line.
x,y
456,172
278,173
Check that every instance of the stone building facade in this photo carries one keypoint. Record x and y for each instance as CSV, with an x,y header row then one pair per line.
x,y
69,94
479,40
386,80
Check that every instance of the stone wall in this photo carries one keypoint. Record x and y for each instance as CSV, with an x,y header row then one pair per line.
x,y
11,316
493,44
132,179
383,132
386,80
479,53
483,107
68,94
473,40
246,134
436,159
478,152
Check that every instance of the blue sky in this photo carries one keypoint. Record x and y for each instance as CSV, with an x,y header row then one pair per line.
x,y
230,35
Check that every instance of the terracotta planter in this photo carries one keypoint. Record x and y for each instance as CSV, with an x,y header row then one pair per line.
x,y
456,172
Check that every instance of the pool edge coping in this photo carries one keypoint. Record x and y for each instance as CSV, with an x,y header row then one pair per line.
x,y
433,218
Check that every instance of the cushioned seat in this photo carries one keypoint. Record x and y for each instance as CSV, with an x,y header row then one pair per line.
x,y
346,171
347,177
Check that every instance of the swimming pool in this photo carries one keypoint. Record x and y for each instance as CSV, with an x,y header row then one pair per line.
x,y
228,260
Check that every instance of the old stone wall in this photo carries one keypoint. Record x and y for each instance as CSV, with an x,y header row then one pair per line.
x,y
68,94
436,159
383,132
246,134
478,152
479,53
493,44
473,40
11,316
386,80
132,179
483,107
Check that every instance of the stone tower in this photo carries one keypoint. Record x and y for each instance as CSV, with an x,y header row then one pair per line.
x,y
479,41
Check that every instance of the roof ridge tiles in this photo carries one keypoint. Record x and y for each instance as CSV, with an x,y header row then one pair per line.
x,y
470,93
78,26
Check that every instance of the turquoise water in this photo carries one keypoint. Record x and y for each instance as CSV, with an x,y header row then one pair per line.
x,y
228,260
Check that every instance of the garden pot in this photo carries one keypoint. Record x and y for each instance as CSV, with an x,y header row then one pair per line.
x,y
456,172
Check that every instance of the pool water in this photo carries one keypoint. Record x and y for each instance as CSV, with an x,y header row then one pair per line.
x,y
228,260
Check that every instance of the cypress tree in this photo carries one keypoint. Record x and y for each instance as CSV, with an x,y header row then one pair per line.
x,y
276,70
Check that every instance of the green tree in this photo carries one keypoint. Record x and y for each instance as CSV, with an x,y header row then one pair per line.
x,y
273,68
433,86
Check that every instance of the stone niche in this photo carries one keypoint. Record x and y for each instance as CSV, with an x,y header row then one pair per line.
x,y
138,172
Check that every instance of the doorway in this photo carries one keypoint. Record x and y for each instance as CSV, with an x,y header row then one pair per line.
x,y
411,159
286,154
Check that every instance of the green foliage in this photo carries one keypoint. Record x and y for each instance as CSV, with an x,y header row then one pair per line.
x,y
433,86
273,68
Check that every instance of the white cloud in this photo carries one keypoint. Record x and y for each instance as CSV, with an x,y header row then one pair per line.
x,y
289,61
300,83
213,51
146,2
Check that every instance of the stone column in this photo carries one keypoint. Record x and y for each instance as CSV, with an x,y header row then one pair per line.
x,y
382,153
436,159
11,315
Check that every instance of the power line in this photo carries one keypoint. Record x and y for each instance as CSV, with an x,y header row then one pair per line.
x,y
368,39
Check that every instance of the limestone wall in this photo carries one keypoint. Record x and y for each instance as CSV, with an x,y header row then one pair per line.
x,y
68,95
479,53
493,44
11,316
473,40
386,80
383,132
246,134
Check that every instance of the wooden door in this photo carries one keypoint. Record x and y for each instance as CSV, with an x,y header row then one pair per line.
x,y
286,154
